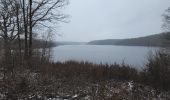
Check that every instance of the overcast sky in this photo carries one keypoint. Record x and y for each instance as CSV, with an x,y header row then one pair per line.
x,y
112,19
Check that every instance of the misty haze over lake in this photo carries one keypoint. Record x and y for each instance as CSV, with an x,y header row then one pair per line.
x,y
133,55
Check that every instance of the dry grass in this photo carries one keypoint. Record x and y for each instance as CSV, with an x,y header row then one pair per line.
x,y
39,76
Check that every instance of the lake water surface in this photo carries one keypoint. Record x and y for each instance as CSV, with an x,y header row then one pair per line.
x,y
132,55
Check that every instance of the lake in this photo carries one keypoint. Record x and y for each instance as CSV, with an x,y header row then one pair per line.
x,y
132,55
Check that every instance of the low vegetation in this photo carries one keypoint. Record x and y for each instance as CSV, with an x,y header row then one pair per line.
x,y
157,71
39,78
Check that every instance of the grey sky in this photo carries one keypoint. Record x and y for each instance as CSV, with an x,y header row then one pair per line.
x,y
106,19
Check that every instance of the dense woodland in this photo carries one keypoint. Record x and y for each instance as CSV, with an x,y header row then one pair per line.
x,y
159,40
27,73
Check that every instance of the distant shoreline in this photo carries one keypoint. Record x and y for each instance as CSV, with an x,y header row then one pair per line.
x,y
157,40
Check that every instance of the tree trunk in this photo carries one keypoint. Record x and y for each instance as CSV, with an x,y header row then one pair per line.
x,y
18,27
25,28
30,22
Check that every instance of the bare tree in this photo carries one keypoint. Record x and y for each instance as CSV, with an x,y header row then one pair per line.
x,y
28,13
7,32
30,31
45,11
166,19
166,23
11,21
15,4
24,12
17,7
7,24
7,21
38,13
